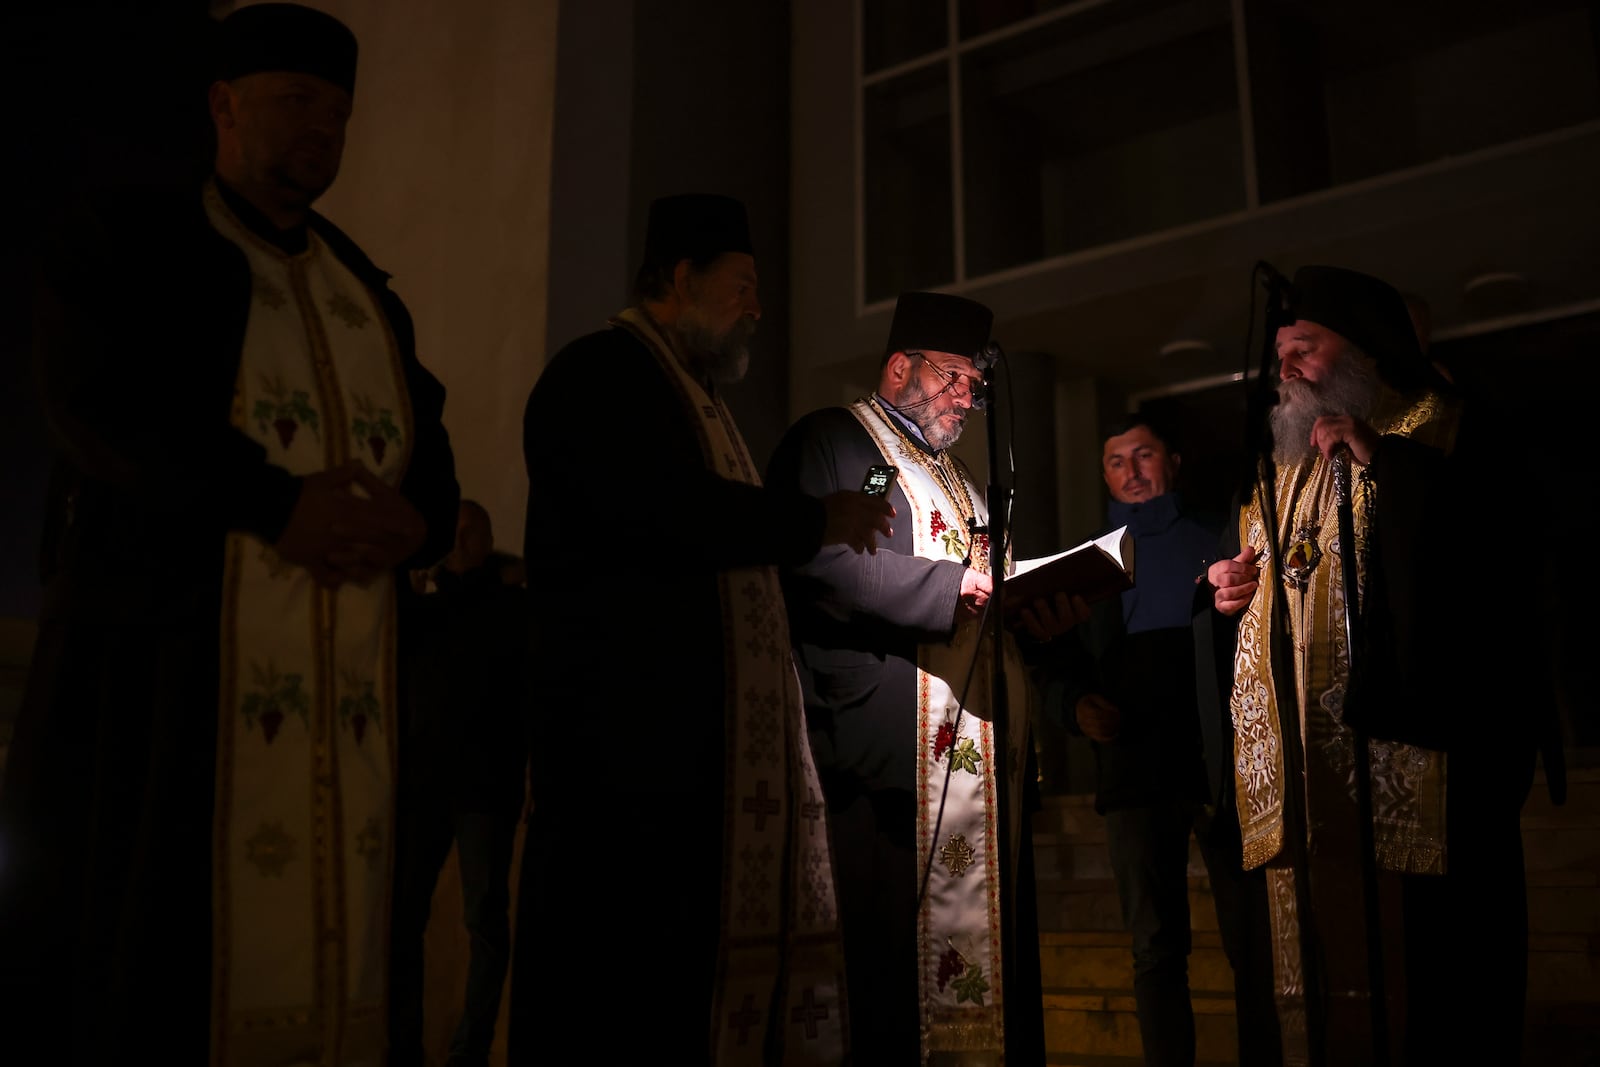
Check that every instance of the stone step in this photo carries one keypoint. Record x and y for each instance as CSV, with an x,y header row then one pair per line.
x,y
1561,846
1574,844
1565,969
1073,814
1090,1017
1087,963
1563,901
1583,795
1103,961
1091,904
1097,1027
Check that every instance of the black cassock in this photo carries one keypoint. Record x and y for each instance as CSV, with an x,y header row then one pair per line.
x,y
106,811
619,903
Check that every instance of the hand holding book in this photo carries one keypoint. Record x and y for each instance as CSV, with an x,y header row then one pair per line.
x,y
1094,570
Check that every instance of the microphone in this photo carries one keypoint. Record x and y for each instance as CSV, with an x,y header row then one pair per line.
x,y
1281,292
1275,277
988,356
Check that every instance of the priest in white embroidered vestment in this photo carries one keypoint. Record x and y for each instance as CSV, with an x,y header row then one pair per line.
x,y
897,667
198,818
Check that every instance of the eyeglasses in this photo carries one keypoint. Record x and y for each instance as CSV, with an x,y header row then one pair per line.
x,y
968,387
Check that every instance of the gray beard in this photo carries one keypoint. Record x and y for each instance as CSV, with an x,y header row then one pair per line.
x,y
725,358
1351,389
910,402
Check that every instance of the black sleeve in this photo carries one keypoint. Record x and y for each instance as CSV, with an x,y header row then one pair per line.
x,y
1063,672
608,454
893,593
1413,677
133,395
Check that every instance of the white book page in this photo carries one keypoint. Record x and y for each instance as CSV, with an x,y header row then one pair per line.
x,y
1110,543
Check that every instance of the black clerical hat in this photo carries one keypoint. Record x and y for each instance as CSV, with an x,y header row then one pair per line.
x,y
939,322
286,37
1370,314
695,226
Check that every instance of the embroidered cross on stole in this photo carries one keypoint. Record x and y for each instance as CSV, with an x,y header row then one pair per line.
x,y
780,939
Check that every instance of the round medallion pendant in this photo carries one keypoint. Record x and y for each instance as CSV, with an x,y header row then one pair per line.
x,y
1302,556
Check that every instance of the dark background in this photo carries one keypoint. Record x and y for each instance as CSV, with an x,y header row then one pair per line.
x,y
94,92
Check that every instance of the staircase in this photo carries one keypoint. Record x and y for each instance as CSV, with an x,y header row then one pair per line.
x,y
1087,962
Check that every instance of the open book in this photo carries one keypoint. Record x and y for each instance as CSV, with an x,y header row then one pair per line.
x,y
1094,570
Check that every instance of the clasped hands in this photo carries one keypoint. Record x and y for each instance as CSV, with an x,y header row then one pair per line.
x,y
348,525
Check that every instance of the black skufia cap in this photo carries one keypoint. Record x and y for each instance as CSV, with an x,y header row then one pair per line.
x,y
695,226
939,322
286,37
1370,314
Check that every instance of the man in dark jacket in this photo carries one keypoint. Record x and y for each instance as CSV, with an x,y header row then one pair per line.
x,y
463,773
1135,701
674,845
197,820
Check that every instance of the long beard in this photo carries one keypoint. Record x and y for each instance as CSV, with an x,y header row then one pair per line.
x,y
940,430
724,356
1351,389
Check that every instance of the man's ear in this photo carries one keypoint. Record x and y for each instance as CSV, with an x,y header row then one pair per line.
x,y
681,272
220,100
897,369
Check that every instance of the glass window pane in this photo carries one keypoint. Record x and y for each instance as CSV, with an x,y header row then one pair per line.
x,y
907,180
1099,127
894,31
1347,91
980,16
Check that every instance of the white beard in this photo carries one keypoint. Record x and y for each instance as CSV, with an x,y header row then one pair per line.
x,y
1350,389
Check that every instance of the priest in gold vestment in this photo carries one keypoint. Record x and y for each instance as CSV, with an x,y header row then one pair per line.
x,y
1389,667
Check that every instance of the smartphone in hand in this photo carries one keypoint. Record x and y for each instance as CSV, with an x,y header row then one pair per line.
x,y
879,478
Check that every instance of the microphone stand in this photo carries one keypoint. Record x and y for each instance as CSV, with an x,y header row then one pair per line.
x,y
1354,631
999,502
1264,479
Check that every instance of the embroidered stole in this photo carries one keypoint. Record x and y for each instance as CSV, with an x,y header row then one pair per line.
x,y
303,828
780,951
1407,782
959,948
